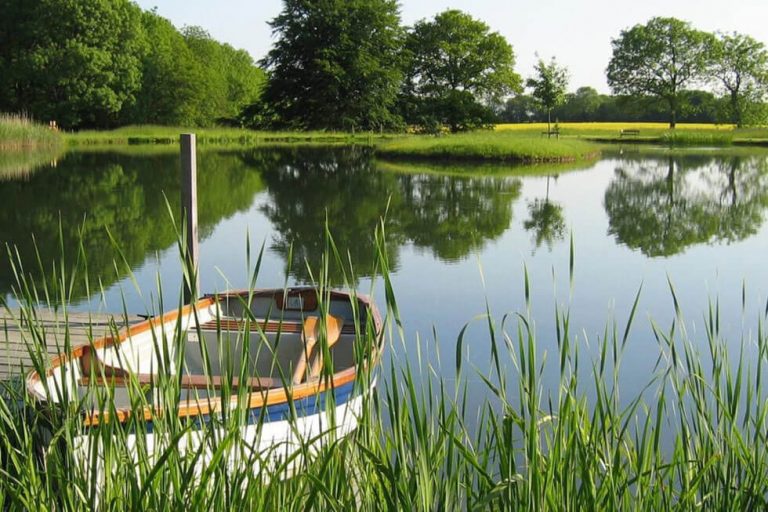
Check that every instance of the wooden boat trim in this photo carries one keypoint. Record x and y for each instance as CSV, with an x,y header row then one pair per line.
x,y
108,341
185,381
206,406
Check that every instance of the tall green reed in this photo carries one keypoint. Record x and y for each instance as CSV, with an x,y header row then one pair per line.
x,y
20,131
694,437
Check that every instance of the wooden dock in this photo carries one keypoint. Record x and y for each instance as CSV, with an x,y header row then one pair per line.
x,y
16,336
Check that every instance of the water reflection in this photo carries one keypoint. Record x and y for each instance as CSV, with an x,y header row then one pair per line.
x,y
546,220
450,216
663,205
89,197
20,164
658,205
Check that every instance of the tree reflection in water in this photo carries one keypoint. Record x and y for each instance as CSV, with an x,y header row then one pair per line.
x,y
448,215
546,221
662,206
93,199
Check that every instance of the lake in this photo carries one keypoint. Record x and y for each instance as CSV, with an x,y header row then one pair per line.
x,y
457,238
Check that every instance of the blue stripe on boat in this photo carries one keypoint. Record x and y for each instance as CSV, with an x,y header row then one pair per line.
x,y
307,406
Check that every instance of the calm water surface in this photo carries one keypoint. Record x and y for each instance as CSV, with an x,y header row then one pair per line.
x,y
456,237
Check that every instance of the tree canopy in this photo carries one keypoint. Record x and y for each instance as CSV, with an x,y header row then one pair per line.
x,y
739,63
456,67
76,62
104,63
658,59
549,86
335,64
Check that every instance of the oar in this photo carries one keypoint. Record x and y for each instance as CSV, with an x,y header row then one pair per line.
x,y
309,336
333,331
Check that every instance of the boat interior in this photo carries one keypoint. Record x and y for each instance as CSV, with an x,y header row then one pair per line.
x,y
258,341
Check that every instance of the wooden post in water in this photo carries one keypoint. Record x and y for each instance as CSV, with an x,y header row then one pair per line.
x,y
189,213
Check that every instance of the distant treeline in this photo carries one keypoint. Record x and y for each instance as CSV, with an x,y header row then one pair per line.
x,y
106,63
588,105
352,65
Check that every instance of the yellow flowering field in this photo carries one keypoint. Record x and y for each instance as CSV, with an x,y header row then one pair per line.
x,y
613,127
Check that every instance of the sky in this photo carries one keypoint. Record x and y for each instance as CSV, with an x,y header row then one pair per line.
x,y
577,32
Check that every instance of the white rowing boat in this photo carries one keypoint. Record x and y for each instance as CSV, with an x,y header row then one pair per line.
x,y
303,352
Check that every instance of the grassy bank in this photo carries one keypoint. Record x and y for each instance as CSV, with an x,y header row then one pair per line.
x,y
207,136
652,133
487,147
694,439
20,132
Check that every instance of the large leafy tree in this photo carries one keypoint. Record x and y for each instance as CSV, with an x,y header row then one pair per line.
x,y
456,68
335,64
190,79
169,86
73,61
227,79
658,59
549,86
740,66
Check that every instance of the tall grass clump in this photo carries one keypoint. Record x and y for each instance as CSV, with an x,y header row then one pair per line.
x,y
694,438
18,132
697,138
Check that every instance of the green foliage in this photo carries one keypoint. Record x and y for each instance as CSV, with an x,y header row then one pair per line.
x,y
168,91
658,59
334,65
456,67
105,63
225,80
739,63
191,79
78,63
549,86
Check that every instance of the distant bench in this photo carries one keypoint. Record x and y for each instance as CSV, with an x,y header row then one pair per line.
x,y
629,133
555,132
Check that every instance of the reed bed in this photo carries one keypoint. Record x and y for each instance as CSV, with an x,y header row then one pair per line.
x,y
693,439
19,132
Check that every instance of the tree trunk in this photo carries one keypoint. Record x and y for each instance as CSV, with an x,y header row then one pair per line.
x,y
736,109
549,123
672,113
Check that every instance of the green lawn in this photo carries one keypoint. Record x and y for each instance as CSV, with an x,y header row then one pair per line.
x,y
488,146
